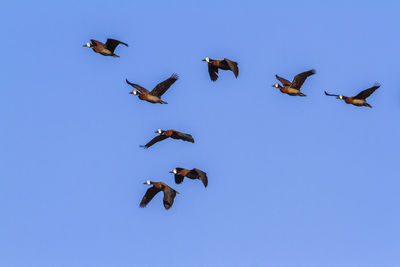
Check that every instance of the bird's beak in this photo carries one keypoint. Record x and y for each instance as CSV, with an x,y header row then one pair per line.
x,y
171,172
84,45
145,183
131,93
156,131
203,60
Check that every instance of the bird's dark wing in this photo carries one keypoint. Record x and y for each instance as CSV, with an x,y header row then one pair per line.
x,y
366,93
213,71
150,193
329,94
155,140
283,81
178,178
95,42
300,78
162,87
233,66
202,176
138,87
111,44
169,196
183,136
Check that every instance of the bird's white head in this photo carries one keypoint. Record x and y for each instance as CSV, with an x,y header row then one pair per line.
x,y
134,92
148,182
340,97
276,85
159,131
174,171
87,45
207,59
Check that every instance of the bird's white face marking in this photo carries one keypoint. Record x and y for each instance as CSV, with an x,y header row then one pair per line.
x,y
175,171
134,92
148,182
159,131
88,44
340,97
207,59
276,85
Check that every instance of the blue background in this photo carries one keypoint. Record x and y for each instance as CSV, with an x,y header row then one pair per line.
x,y
292,181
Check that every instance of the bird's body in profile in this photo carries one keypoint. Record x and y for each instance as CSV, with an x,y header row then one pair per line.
x,y
174,134
169,194
293,88
225,64
106,49
193,174
360,99
153,96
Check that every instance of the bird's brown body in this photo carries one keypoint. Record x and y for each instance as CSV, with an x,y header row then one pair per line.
x,y
169,194
106,49
174,134
153,96
193,174
293,88
360,99
224,64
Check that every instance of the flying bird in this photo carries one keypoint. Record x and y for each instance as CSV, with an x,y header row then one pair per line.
x,y
169,194
155,95
162,135
181,173
360,99
225,64
106,49
293,88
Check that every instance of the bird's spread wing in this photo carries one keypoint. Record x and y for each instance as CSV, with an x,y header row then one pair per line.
x,y
169,196
150,193
200,175
183,136
300,78
162,87
213,71
138,87
283,81
233,66
366,93
178,178
111,44
329,94
95,42
155,140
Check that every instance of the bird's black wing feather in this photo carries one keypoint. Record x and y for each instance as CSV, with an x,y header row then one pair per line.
x,y
233,66
184,137
155,140
199,174
283,81
329,94
136,86
162,87
178,178
150,193
213,71
366,93
111,44
299,79
169,196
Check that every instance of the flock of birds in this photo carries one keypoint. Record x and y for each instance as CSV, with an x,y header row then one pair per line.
x,y
291,88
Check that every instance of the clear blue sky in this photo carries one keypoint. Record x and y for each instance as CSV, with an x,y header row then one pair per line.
x,y
293,181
